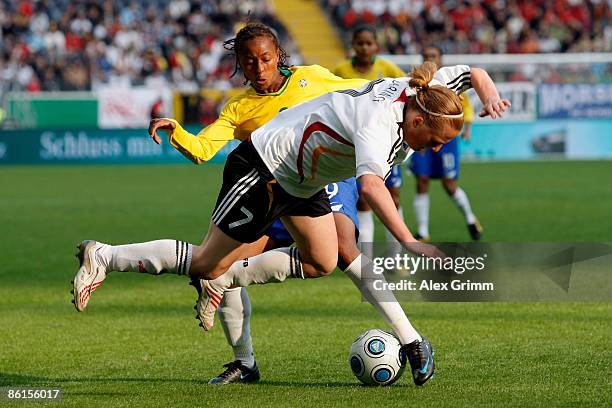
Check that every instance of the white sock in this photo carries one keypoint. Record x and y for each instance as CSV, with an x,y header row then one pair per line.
x,y
154,257
463,203
268,267
383,301
393,246
366,226
235,317
421,210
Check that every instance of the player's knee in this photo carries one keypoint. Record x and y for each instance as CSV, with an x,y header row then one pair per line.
x,y
422,185
326,269
347,252
204,267
328,266
317,268
450,186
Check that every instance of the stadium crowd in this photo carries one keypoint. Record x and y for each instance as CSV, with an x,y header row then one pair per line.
x,y
54,45
483,26
78,45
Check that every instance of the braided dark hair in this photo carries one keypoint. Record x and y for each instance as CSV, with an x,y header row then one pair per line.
x,y
236,45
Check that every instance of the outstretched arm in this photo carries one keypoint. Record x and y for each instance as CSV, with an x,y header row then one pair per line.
x,y
460,78
198,148
492,103
375,192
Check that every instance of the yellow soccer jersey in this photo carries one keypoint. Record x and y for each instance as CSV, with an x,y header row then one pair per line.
x,y
468,110
381,69
249,110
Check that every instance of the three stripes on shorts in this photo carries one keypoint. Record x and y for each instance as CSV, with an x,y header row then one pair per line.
x,y
234,194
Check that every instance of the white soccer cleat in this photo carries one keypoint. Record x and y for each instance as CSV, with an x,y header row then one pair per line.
x,y
91,274
208,303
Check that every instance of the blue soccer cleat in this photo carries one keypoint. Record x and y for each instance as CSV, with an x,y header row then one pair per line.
x,y
420,356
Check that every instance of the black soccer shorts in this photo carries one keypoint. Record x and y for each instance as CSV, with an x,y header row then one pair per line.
x,y
250,198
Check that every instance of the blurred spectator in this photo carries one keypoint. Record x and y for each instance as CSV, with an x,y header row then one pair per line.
x,y
83,44
488,26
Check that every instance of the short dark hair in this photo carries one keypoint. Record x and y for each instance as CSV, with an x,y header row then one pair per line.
x,y
253,30
361,28
434,47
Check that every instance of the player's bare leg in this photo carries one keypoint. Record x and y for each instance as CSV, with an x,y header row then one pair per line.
x,y
215,255
207,263
317,241
316,255
234,329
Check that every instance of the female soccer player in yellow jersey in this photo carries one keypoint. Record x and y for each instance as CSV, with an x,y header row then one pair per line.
x,y
367,65
274,87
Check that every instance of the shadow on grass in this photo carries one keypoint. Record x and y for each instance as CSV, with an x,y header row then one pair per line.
x,y
12,379
318,384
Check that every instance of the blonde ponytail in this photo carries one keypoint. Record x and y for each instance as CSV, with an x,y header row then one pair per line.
x,y
422,75
438,104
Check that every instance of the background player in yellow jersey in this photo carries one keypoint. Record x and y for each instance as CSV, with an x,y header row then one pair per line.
x,y
367,65
274,87
443,165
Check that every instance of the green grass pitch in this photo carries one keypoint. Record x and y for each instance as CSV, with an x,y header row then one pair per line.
x,y
138,344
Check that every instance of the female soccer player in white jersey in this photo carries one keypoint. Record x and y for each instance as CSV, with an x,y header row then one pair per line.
x,y
281,171
275,87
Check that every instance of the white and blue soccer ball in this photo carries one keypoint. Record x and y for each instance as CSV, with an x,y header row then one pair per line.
x,y
376,358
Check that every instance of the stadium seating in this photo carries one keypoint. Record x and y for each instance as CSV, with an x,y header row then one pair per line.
x,y
68,45
489,26
64,45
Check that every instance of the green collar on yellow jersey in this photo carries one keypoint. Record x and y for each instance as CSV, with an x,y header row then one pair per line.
x,y
286,72
354,61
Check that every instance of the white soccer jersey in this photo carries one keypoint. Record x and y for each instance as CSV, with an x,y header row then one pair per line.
x,y
344,133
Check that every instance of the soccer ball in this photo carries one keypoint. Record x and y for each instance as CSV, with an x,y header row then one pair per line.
x,y
376,358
